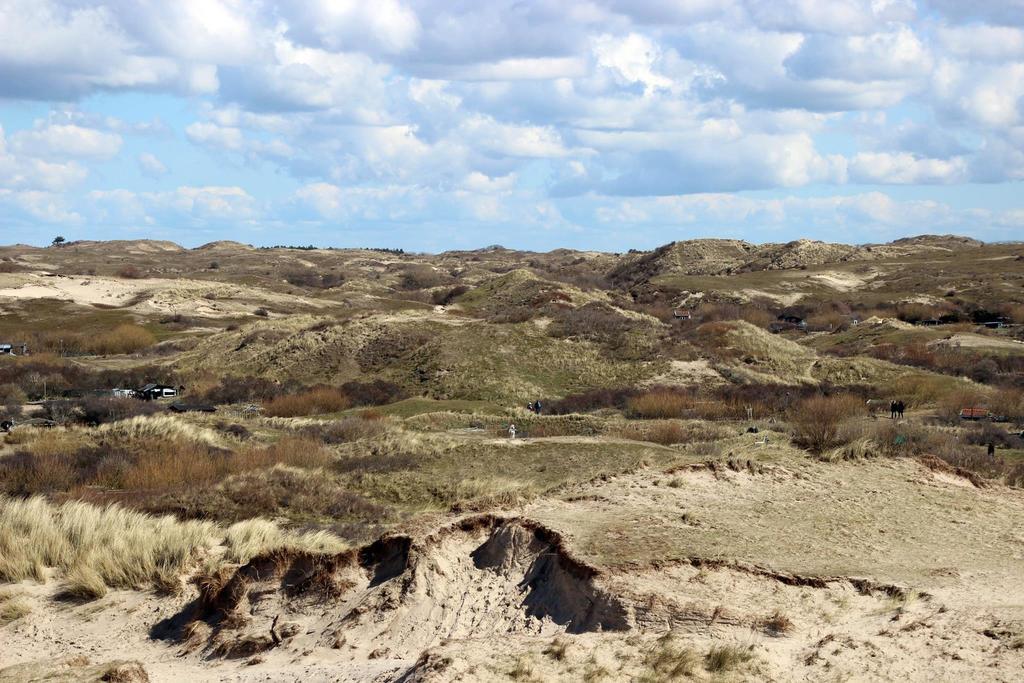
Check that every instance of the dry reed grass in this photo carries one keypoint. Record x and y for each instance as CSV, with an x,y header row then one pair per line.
x,y
125,338
313,402
136,457
660,404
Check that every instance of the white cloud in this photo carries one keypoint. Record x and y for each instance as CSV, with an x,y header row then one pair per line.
x,y
26,173
830,16
418,111
872,216
632,59
210,134
387,25
40,206
190,205
989,95
151,166
982,42
513,140
905,169
56,140
49,50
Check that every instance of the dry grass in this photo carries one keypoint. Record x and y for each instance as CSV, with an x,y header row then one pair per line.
x,y
775,624
245,540
557,649
13,607
96,548
313,402
92,545
136,460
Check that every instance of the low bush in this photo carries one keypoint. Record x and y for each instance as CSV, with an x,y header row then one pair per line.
x,y
443,297
240,432
595,322
280,491
12,395
816,421
422,277
588,401
244,390
345,430
101,410
130,273
377,392
314,279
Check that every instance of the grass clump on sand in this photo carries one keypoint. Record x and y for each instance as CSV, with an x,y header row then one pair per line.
x,y
669,661
776,624
722,658
245,540
13,607
96,548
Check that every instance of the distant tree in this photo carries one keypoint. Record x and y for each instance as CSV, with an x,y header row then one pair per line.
x,y
58,240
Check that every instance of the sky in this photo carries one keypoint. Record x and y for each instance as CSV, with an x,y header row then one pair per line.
x,y
537,124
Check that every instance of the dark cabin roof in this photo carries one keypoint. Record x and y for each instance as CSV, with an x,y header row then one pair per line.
x,y
192,408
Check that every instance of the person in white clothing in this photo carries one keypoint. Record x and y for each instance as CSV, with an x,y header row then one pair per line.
x,y
511,431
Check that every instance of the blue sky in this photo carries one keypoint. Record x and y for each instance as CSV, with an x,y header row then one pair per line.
x,y
592,124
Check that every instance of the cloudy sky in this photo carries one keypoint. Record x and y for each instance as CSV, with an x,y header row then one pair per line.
x,y
429,125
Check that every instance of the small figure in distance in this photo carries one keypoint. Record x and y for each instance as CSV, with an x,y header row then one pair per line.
x,y
530,407
512,431
536,407
892,410
900,407
991,449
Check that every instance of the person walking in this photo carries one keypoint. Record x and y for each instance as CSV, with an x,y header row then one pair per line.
x,y
536,405
892,410
512,431
900,407
991,449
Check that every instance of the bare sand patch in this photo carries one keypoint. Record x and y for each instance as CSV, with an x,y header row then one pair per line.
x,y
150,295
841,281
970,340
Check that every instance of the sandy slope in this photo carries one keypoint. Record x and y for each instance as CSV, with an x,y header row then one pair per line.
x,y
151,295
884,569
